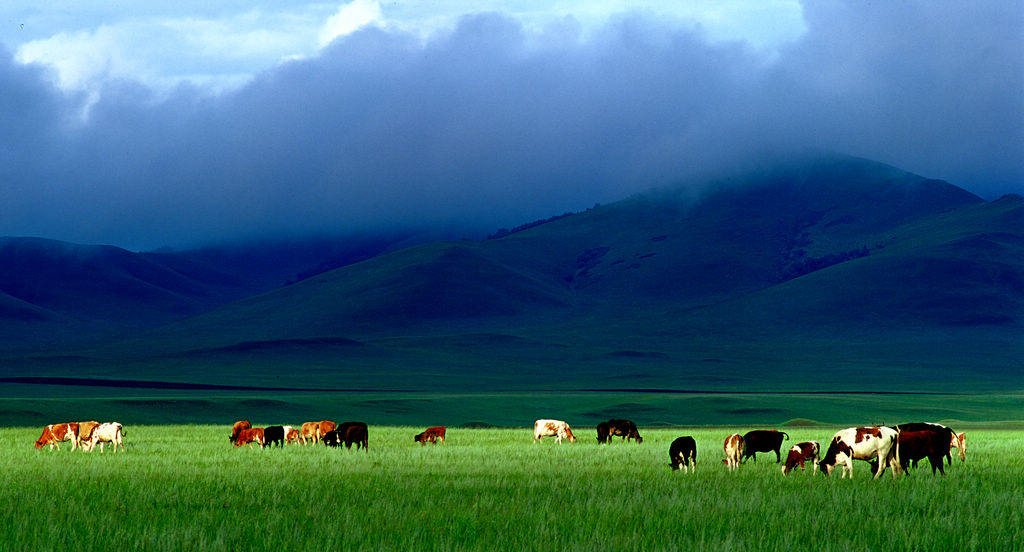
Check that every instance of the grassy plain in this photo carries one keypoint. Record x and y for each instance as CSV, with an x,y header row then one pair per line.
x,y
185,488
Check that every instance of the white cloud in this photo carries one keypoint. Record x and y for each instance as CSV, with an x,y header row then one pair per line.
x,y
349,18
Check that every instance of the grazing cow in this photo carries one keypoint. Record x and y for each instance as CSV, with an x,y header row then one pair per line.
x,y
274,434
763,440
325,426
250,436
552,428
237,428
959,442
54,434
358,433
800,453
85,430
915,445
309,432
291,435
682,453
625,429
110,432
947,434
861,443
733,451
603,431
332,438
431,434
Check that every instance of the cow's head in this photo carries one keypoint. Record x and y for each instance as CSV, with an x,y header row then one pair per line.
x,y
639,439
569,435
418,438
39,445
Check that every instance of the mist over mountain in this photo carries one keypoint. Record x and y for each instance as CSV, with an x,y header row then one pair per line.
x,y
821,259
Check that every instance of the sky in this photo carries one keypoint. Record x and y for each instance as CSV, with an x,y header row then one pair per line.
x,y
190,123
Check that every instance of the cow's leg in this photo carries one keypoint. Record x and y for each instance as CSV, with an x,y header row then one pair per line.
x,y
778,457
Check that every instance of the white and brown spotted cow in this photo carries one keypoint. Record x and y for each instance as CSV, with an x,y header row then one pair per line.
x,y
54,434
801,453
552,428
861,443
733,451
110,432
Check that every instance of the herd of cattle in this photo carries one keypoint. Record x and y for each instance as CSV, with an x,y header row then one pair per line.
x,y
84,435
896,447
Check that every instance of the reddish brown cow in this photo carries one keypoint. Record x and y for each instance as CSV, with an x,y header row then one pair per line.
x,y
323,427
915,445
237,428
800,453
625,429
250,436
431,434
291,435
54,434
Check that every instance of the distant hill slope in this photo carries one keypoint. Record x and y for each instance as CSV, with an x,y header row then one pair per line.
x,y
54,292
835,226
774,280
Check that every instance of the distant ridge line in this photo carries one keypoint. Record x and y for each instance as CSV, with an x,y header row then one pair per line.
x,y
147,384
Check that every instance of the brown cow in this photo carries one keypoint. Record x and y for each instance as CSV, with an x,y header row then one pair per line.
x,y
323,427
291,435
308,433
85,430
800,453
625,429
237,428
250,436
54,434
915,445
431,434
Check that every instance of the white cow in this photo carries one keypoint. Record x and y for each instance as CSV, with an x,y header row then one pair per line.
x,y
861,443
110,432
959,442
552,428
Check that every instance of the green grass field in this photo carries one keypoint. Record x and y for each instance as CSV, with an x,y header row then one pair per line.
x,y
185,487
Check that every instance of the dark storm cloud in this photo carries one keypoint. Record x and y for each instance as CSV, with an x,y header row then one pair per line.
x,y
490,125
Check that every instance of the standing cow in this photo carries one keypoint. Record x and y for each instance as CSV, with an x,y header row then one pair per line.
x,y
948,434
625,429
800,453
763,440
237,428
552,428
274,434
733,451
250,436
54,434
431,434
682,453
915,445
861,443
349,433
111,432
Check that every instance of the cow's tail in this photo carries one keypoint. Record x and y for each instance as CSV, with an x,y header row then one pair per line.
x,y
786,434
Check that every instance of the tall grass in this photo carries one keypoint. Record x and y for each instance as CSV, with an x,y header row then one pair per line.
x,y
187,488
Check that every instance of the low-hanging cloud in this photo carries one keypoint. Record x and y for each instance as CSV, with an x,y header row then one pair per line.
x,y
491,124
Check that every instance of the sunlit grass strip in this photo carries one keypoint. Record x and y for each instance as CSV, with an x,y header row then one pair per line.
x,y
186,488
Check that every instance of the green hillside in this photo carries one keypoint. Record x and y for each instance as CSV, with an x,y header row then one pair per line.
x,y
823,277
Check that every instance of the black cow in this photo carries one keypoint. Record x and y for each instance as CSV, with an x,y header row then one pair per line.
x,y
354,432
274,434
625,429
683,452
332,438
915,445
763,440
